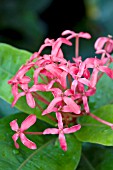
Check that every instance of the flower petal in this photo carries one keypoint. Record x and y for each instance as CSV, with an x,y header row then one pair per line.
x,y
59,118
14,125
85,103
62,141
100,43
30,100
15,137
72,105
29,121
51,131
17,97
72,129
52,105
106,70
29,144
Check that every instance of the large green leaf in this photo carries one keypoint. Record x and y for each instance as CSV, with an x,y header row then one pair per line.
x,y
96,157
10,60
94,131
48,155
104,93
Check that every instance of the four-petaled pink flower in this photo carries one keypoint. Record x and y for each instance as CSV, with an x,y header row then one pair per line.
x,y
61,131
29,121
73,34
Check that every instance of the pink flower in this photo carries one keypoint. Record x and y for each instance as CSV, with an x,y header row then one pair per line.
x,y
104,42
56,50
28,122
61,131
73,34
26,92
59,100
98,65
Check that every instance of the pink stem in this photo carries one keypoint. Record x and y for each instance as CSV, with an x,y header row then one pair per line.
x,y
101,120
69,80
44,80
52,118
77,47
34,133
39,97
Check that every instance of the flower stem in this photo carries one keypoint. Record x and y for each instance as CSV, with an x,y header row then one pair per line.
x,y
34,133
101,120
77,47
52,118
39,97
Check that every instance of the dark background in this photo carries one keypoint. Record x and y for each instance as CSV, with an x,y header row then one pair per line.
x,y
25,23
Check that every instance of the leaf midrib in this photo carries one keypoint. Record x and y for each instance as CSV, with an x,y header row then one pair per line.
x,y
35,152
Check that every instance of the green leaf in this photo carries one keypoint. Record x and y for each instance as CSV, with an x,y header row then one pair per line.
x,y
94,131
11,59
104,93
48,156
101,159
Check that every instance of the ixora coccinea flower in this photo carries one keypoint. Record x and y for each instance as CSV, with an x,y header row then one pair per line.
x,y
61,131
70,83
20,132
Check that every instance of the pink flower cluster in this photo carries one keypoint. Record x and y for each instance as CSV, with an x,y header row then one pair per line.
x,y
71,84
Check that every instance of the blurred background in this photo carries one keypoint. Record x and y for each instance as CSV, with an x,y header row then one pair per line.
x,y
26,23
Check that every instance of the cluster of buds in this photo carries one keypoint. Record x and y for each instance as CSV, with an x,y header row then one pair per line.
x,y
71,84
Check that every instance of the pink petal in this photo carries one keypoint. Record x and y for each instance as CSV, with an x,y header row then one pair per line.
x,y
36,74
38,87
14,125
29,144
44,46
63,81
90,92
66,32
94,75
100,43
109,46
72,129
54,70
85,103
74,85
25,79
81,69
17,97
30,100
52,105
68,92
84,81
15,137
106,70
35,55
51,131
60,56
62,141
28,122
15,89
66,109
72,105
59,118
84,35
57,44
